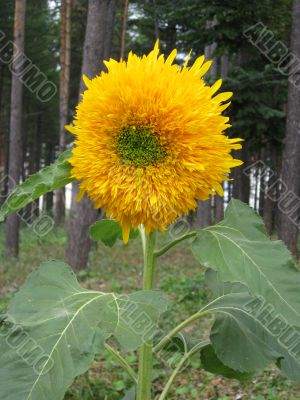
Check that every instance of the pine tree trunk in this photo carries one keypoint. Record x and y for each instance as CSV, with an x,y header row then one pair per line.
x,y
219,200
256,189
109,29
2,134
261,203
83,213
269,191
15,138
65,64
241,180
123,29
204,210
4,185
219,208
204,214
288,219
48,198
155,18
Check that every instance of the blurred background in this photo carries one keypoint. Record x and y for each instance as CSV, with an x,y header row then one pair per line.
x,y
46,46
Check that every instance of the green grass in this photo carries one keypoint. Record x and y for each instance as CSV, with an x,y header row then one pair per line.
x,y
120,269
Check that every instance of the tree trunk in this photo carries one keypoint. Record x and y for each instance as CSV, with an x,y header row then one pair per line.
x,y
4,185
2,133
3,144
109,29
219,208
124,27
262,184
31,211
204,210
83,213
65,63
269,191
219,200
241,179
48,198
288,204
155,18
256,187
170,38
15,138
203,214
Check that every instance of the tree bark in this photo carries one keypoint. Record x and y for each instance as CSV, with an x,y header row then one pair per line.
x,y
83,213
48,198
241,180
155,18
219,200
15,138
65,64
170,38
203,214
109,29
204,210
3,144
288,205
269,191
123,29
2,133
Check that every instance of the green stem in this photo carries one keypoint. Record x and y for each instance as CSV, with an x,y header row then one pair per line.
x,y
146,351
168,246
179,328
117,356
194,350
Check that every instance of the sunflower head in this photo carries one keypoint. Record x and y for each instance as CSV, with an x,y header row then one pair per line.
x,y
139,146
150,140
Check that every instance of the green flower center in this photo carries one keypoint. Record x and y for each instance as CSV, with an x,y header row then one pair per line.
x,y
139,147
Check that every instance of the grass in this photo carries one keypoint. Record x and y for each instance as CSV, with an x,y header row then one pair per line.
x,y
119,269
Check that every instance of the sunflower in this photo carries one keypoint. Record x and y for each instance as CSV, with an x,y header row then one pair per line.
x,y
150,140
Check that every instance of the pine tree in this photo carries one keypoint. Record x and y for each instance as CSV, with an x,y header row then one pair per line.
x,y
289,206
15,136
97,44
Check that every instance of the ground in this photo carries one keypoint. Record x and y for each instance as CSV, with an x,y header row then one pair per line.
x,y
119,269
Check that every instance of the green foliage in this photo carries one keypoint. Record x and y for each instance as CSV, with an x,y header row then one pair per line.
x,y
260,91
244,341
210,362
130,394
253,280
239,249
109,231
41,122
105,379
256,287
53,329
258,103
50,178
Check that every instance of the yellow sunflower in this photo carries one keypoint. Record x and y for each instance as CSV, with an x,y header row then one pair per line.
x,y
150,140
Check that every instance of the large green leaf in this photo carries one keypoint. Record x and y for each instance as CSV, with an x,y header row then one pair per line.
x,y
239,249
244,342
54,328
211,363
253,335
50,178
109,231
138,314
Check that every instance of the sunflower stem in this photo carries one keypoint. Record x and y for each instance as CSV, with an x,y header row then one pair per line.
x,y
123,363
166,339
146,351
186,357
169,245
